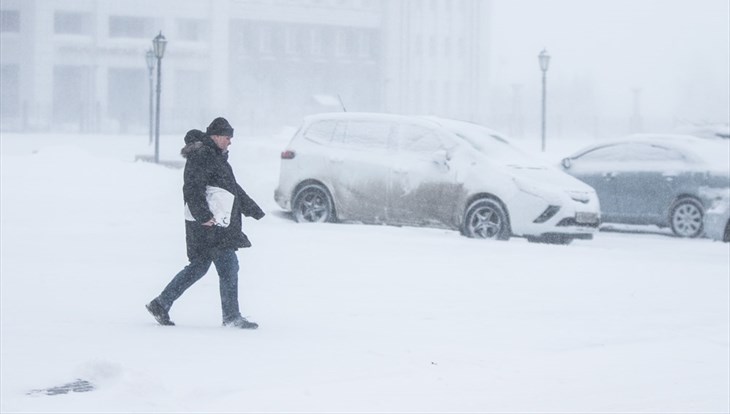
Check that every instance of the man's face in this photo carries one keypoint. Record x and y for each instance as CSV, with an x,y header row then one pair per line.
x,y
222,141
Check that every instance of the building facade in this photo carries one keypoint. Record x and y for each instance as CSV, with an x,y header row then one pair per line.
x,y
79,65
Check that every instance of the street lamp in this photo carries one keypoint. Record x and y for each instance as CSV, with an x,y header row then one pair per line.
x,y
150,59
158,44
544,59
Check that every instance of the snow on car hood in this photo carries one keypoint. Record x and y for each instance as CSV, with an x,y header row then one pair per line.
x,y
547,175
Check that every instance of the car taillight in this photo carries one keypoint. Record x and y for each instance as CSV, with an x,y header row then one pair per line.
x,y
287,155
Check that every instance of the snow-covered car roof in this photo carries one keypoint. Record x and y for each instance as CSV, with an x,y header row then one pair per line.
x,y
707,131
487,141
713,153
371,116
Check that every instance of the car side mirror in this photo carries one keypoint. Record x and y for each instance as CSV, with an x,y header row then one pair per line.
x,y
566,163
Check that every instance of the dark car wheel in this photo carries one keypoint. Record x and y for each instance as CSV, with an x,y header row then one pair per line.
x,y
686,218
312,203
486,219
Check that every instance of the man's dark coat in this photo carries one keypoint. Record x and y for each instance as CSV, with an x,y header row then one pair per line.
x,y
207,165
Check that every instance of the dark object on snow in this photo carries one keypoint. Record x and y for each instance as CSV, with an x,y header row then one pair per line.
x,y
77,386
220,126
159,312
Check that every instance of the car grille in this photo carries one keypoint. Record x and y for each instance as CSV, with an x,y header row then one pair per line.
x,y
570,221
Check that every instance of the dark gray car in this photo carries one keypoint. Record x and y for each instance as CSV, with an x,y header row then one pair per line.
x,y
653,179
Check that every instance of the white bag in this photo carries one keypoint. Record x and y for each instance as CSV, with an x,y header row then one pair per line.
x,y
220,203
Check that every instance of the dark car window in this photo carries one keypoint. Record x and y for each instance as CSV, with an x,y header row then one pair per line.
x,y
367,134
320,131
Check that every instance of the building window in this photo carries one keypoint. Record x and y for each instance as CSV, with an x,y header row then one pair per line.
x,y
131,27
433,46
9,91
9,21
418,45
190,30
364,44
266,40
246,39
315,41
292,40
344,43
73,23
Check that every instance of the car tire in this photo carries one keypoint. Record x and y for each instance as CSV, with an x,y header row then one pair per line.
x,y
686,218
486,219
313,204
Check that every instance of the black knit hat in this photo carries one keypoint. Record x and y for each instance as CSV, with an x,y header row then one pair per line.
x,y
193,135
220,126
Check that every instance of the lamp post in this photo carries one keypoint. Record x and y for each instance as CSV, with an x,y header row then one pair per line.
x,y
150,59
544,59
158,44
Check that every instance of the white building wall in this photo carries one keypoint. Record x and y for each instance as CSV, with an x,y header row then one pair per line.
x,y
431,59
437,57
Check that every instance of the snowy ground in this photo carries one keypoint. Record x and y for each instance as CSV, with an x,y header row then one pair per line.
x,y
353,318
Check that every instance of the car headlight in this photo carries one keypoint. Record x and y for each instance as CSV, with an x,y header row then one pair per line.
x,y
716,197
580,196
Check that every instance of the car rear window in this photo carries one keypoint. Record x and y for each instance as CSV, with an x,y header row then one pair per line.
x,y
320,131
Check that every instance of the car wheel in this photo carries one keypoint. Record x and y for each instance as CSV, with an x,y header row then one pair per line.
x,y
486,219
313,204
686,218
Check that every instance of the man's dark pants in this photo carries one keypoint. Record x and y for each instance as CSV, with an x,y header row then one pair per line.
x,y
226,263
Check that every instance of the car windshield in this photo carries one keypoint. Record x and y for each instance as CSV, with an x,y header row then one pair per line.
x,y
488,142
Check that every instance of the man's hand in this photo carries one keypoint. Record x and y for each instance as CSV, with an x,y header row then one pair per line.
x,y
210,222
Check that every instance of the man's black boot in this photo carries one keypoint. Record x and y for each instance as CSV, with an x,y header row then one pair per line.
x,y
241,323
159,312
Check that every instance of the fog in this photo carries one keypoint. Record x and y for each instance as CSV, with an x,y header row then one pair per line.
x,y
616,67
673,54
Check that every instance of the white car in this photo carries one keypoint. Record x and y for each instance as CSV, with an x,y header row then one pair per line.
x,y
427,171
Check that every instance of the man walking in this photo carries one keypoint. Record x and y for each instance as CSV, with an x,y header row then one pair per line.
x,y
213,223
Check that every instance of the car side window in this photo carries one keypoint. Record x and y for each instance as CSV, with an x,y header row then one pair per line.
x,y
414,138
367,134
649,153
320,131
610,153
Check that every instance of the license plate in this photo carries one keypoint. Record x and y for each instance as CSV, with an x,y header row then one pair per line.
x,y
586,218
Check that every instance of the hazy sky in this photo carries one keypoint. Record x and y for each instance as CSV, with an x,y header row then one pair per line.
x,y
676,51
